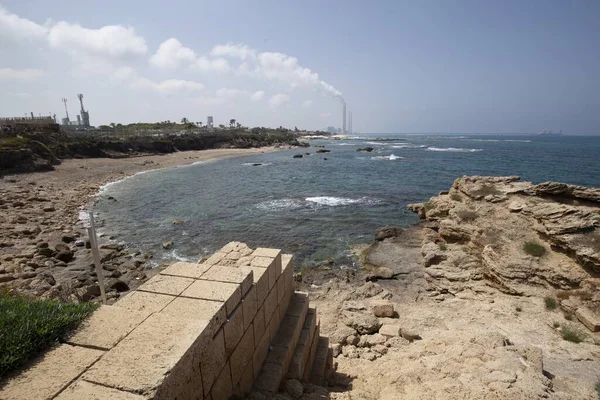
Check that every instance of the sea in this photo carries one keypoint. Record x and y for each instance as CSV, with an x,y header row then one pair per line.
x,y
318,206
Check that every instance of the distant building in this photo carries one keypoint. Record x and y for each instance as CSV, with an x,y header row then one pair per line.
x,y
332,129
209,122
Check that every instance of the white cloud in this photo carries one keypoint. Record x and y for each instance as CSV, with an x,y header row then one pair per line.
x,y
240,51
306,103
231,93
21,95
171,54
13,26
278,100
325,115
20,74
274,66
211,65
129,76
257,96
112,40
209,101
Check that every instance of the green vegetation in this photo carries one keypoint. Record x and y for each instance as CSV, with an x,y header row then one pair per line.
x,y
466,215
534,249
556,324
569,316
456,197
572,335
14,142
428,205
597,387
28,326
551,303
443,246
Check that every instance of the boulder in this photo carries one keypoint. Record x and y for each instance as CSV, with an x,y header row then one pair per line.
x,y
323,151
298,156
118,285
167,245
379,273
382,308
294,388
61,247
361,322
588,318
65,255
390,330
366,149
387,232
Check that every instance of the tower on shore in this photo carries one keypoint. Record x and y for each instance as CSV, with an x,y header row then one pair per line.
x,y
85,116
343,118
65,121
350,122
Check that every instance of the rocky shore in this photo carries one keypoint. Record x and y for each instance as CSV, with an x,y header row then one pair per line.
x,y
493,296
43,250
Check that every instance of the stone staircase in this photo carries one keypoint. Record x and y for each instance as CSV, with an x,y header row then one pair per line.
x,y
231,326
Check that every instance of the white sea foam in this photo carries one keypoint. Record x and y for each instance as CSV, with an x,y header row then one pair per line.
x,y
174,256
332,201
280,204
376,143
391,157
454,149
408,146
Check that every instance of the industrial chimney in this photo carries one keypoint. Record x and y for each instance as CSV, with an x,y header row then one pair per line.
x,y
344,118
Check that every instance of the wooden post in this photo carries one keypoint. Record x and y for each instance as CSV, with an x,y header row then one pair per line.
x,y
96,254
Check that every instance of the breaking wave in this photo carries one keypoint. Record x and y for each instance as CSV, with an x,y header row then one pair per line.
x,y
391,157
454,149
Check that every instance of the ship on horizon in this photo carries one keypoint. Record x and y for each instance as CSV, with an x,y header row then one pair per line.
x,y
548,132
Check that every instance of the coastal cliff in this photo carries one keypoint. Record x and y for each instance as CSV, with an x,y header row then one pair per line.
x,y
42,149
494,295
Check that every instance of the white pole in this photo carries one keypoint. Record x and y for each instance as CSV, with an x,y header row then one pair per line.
x,y
96,254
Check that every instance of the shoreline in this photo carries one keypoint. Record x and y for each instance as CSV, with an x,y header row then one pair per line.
x,y
41,217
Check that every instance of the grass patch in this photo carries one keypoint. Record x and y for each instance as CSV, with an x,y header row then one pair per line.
x,y
14,142
597,387
466,215
572,335
428,205
569,316
456,197
443,246
28,326
534,249
550,303
556,325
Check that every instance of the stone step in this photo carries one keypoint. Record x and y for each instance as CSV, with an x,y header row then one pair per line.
x,y
301,356
328,367
313,353
317,376
282,347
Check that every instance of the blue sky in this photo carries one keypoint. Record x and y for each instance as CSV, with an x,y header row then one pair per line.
x,y
401,66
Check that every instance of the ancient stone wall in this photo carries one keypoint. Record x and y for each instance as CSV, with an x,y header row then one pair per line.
x,y
225,327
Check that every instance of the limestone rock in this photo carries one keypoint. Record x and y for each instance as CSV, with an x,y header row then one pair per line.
x,y
588,318
389,330
361,322
382,308
387,232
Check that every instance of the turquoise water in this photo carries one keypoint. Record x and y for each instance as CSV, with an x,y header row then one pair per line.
x,y
316,207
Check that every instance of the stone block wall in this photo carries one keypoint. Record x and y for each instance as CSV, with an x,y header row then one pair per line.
x,y
224,327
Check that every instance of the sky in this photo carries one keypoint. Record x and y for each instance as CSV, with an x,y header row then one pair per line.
x,y
449,66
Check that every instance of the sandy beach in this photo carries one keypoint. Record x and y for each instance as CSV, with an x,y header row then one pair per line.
x,y
40,212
